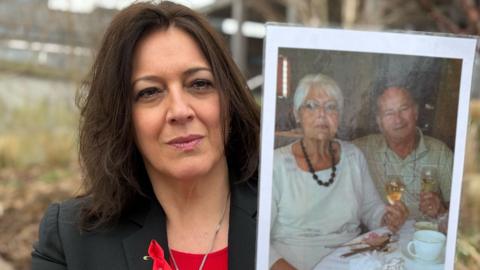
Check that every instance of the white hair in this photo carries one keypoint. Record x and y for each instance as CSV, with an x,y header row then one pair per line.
x,y
316,81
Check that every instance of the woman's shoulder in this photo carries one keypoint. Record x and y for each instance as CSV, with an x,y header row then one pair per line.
x,y
63,219
348,148
67,211
67,217
247,188
284,159
283,153
59,219
245,196
62,242
284,150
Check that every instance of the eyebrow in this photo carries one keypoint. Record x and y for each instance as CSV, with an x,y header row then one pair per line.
x,y
186,73
403,106
316,100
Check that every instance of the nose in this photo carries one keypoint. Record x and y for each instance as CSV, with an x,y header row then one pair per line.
x,y
321,111
179,109
397,117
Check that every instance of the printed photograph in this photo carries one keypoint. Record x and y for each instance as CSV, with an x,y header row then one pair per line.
x,y
366,149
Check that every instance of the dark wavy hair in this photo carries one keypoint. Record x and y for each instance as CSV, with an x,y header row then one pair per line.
x,y
114,172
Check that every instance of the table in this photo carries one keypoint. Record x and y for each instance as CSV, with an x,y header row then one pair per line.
x,y
335,261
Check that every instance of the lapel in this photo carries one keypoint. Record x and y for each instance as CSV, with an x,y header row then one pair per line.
x,y
241,236
242,229
152,226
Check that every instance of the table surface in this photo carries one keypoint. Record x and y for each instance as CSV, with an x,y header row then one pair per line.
x,y
335,261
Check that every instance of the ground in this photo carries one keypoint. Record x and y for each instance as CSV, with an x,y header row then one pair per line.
x,y
24,196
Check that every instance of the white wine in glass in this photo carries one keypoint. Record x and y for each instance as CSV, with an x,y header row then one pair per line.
x,y
429,176
394,188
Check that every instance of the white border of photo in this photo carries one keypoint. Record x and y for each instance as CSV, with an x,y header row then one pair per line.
x,y
415,44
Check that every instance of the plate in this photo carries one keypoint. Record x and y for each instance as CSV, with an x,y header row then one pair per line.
x,y
439,261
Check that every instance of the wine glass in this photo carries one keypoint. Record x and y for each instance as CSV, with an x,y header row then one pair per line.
x,y
429,184
394,188
429,178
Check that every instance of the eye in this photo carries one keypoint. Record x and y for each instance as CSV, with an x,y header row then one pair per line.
x,y
201,84
388,114
310,105
331,107
147,93
404,108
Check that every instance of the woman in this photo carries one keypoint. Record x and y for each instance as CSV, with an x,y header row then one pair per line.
x,y
322,190
164,153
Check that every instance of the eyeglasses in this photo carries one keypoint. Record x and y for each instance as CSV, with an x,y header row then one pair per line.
x,y
390,113
329,107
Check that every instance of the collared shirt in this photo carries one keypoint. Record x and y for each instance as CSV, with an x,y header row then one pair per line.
x,y
382,161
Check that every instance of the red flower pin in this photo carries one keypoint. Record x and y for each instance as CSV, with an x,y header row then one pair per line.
x,y
155,252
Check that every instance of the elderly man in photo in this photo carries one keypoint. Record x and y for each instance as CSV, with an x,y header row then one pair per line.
x,y
403,150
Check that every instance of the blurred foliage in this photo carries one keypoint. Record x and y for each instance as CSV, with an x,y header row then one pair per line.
x,y
40,133
38,160
43,71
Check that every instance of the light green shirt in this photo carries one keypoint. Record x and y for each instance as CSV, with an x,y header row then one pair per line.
x,y
382,161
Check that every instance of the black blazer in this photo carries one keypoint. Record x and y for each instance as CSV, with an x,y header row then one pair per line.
x,y
63,246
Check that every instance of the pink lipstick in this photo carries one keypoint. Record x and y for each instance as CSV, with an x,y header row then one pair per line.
x,y
186,143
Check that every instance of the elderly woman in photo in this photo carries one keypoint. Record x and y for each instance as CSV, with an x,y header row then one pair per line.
x,y
322,190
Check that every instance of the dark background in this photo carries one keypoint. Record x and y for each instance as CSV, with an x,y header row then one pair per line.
x,y
433,82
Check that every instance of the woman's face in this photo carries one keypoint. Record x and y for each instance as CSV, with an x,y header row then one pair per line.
x,y
319,115
176,107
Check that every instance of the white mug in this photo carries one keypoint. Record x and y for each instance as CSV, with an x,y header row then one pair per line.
x,y
428,245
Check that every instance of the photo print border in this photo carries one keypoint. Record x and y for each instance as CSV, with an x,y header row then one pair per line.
x,y
285,39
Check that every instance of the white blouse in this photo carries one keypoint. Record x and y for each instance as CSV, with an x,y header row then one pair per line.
x,y
307,216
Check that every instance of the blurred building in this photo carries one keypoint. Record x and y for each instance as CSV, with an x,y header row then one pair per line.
x,y
31,33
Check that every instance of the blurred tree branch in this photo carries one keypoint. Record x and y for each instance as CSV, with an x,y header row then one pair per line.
x,y
264,7
443,22
309,12
470,10
452,16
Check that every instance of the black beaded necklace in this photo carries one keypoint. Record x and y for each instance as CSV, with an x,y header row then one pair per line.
x,y
312,171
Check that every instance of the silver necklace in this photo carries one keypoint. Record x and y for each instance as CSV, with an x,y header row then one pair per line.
x,y
217,229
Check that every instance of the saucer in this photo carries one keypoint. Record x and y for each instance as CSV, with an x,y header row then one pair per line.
x,y
440,260
425,225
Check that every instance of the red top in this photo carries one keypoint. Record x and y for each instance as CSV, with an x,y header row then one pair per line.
x,y
217,260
